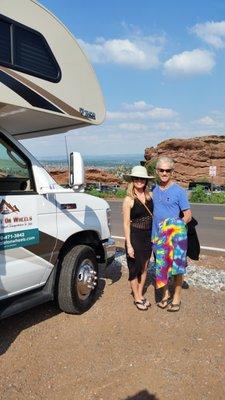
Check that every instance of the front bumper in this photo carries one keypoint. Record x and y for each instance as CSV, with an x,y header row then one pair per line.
x,y
109,247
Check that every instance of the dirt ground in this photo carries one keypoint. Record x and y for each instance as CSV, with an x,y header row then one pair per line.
x,y
114,351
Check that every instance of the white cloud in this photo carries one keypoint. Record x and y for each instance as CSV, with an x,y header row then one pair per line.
x,y
107,138
133,127
208,121
140,110
190,63
161,113
215,124
141,52
117,115
137,105
168,126
126,115
212,33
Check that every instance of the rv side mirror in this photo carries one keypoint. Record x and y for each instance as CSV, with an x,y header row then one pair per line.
x,y
76,168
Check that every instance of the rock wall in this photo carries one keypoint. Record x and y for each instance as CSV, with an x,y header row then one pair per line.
x,y
99,175
91,175
193,157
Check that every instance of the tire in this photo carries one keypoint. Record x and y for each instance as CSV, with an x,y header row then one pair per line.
x,y
77,268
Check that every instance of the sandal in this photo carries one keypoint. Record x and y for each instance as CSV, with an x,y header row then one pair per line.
x,y
140,305
174,307
164,303
146,302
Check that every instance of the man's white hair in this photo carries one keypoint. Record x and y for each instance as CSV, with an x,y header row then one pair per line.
x,y
165,160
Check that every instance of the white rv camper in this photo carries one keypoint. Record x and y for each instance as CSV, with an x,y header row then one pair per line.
x,y
51,238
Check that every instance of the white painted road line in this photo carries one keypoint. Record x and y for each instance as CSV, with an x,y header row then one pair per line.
x,y
202,247
212,248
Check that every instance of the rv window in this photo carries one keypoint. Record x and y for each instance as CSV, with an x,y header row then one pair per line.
x,y
15,174
5,54
26,50
32,53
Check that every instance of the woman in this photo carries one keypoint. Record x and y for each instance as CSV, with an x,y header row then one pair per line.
x,y
169,234
137,216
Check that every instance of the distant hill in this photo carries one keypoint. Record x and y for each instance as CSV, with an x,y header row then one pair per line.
x,y
193,157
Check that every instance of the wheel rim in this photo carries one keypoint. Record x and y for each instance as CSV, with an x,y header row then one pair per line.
x,y
86,279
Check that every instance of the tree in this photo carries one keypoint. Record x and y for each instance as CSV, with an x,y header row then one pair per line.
x,y
151,167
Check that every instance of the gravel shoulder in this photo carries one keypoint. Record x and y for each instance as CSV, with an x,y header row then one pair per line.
x,y
114,351
210,260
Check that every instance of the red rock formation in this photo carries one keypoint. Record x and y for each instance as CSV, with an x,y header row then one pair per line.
x,y
99,175
91,175
193,157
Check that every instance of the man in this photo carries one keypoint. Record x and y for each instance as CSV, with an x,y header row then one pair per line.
x,y
169,234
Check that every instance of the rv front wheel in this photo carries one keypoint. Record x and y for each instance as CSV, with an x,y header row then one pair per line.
x,y
78,280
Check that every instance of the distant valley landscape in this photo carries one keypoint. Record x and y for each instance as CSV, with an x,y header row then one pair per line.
x,y
192,157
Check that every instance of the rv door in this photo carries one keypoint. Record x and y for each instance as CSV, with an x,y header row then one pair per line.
x,y
25,250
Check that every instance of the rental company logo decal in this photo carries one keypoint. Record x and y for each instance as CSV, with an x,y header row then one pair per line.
x,y
18,228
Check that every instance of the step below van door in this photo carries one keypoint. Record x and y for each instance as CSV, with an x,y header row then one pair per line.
x,y
27,241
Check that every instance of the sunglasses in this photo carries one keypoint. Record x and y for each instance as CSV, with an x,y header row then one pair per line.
x,y
168,171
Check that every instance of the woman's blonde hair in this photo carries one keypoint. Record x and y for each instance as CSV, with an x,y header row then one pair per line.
x,y
130,190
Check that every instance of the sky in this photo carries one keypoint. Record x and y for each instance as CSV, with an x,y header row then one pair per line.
x,y
161,67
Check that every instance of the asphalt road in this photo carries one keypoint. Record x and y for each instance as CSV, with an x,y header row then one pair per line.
x,y
211,223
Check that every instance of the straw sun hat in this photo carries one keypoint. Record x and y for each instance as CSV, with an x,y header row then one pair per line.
x,y
138,172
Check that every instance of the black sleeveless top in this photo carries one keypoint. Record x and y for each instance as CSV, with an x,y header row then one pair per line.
x,y
140,217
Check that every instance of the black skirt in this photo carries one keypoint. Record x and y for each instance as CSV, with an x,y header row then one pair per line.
x,y
141,243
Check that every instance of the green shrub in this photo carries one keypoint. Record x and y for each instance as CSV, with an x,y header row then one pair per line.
x,y
151,167
217,198
120,193
97,193
199,195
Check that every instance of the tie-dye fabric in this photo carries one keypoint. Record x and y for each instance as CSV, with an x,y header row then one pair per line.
x,y
170,248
